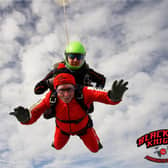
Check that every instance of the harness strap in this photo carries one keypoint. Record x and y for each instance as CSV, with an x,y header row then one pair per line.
x,y
80,99
72,121
83,131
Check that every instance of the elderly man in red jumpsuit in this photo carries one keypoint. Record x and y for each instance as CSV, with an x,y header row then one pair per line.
x,y
68,110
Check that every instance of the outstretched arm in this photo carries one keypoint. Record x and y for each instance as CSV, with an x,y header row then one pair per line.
x,y
98,78
29,116
44,84
113,96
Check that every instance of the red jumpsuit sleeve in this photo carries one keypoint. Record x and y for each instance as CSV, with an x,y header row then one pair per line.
x,y
92,94
38,109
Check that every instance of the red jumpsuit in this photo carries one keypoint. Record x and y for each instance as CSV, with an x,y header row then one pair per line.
x,y
72,111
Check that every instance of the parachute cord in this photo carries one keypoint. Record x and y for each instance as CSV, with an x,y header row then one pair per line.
x,y
65,24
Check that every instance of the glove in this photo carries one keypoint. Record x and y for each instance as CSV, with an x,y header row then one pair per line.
x,y
117,91
41,87
22,114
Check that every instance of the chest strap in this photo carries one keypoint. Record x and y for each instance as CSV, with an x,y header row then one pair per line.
x,y
72,121
81,132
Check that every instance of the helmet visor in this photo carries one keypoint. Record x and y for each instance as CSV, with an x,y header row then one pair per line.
x,y
73,56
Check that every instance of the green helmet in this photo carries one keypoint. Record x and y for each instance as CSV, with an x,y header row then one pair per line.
x,y
74,48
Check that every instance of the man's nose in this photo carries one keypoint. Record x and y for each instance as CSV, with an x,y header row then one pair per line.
x,y
75,59
66,93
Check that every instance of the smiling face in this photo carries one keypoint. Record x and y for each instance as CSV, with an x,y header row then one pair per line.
x,y
66,92
74,61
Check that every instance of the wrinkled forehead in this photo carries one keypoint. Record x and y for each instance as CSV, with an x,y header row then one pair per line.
x,y
64,86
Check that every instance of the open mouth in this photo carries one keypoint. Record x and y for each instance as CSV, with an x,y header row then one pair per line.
x,y
67,99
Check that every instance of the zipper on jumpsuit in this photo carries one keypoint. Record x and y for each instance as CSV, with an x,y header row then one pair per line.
x,y
69,118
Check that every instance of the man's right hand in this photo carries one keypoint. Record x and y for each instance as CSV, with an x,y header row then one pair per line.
x,y
21,113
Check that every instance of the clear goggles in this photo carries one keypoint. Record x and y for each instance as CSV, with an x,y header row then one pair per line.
x,y
63,90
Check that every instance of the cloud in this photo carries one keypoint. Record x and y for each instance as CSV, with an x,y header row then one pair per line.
x,y
124,39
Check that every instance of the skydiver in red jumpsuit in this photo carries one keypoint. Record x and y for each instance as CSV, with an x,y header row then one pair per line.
x,y
71,119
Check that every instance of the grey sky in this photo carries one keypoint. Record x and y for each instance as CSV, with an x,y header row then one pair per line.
x,y
124,39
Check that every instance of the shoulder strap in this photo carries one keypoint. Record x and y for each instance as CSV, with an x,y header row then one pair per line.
x,y
50,113
80,99
58,64
60,68
86,65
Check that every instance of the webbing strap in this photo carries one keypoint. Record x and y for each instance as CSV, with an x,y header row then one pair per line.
x,y
72,121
